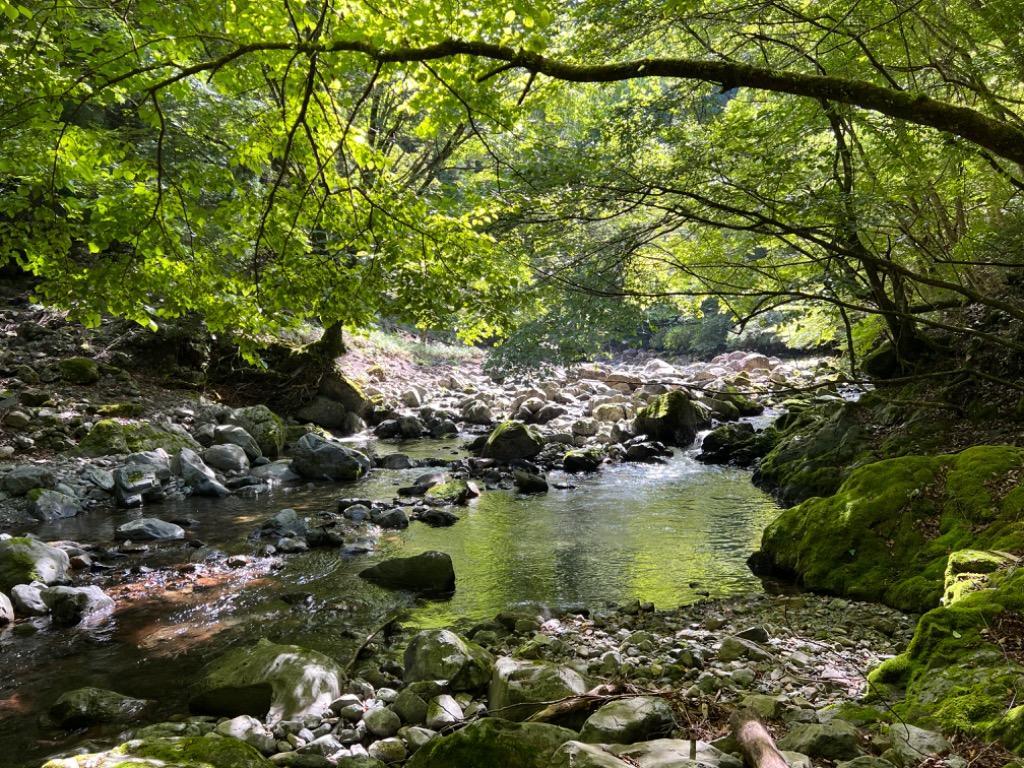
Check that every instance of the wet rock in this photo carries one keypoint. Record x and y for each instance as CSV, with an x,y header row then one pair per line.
x,y
494,742
581,461
267,680
317,458
452,492
287,522
440,654
91,706
427,573
512,440
673,418
529,482
519,688
390,518
437,517
73,605
149,529
134,483
28,599
629,720
6,610
835,740
47,505
396,461
721,444
25,478
24,560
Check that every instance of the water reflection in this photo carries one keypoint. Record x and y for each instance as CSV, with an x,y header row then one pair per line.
x,y
665,534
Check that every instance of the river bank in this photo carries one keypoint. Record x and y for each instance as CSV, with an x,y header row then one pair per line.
x,y
171,516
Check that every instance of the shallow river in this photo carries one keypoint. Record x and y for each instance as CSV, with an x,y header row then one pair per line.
x,y
661,533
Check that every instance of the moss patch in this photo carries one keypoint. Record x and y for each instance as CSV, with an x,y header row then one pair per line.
x,y
79,370
963,670
512,440
186,752
673,418
887,532
109,436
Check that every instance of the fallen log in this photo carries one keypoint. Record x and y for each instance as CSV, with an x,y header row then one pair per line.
x,y
602,694
755,743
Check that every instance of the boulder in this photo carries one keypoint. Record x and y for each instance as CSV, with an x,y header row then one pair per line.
x,y
629,720
512,440
210,751
427,573
6,610
911,744
149,529
452,492
395,519
25,478
581,461
382,722
111,436
519,688
673,753
135,482
440,654
234,435
834,740
493,743
24,560
316,458
576,754
47,505
269,681
477,412
323,412
529,482
28,599
91,706
673,418
263,425
74,605
443,712
345,391
192,468
226,457
250,730
719,445
79,370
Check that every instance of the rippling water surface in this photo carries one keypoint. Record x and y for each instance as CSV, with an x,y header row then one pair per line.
x,y
662,533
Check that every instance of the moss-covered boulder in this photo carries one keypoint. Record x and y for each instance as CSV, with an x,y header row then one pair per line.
x,y
211,751
964,669
79,370
110,436
265,427
673,418
887,533
267,680
453,492
440,654
512,440
520,688
343,390
89,706
494,743
24,560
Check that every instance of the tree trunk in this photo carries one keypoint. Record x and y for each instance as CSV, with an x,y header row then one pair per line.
x,y
755,743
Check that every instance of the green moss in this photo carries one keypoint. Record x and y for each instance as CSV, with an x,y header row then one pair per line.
x,y
494,742
512,440
887,532
123,410
265,426
186,752
109,436
673,418
451,492
954,675
79,370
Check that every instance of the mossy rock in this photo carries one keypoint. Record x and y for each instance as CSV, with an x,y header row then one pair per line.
x,y
265,426
111,436
673,418
341,389
79,370
492,743
211,751
24,560
956,674
121,410
886,533
512,440
815,450
453,492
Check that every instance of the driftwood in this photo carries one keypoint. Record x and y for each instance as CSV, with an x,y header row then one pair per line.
x,y
593,698
755,743
391,618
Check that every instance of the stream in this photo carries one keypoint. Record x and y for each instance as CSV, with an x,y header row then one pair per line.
x,y
669,534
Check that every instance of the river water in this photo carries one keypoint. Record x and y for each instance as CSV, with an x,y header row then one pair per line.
x,y
667,533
